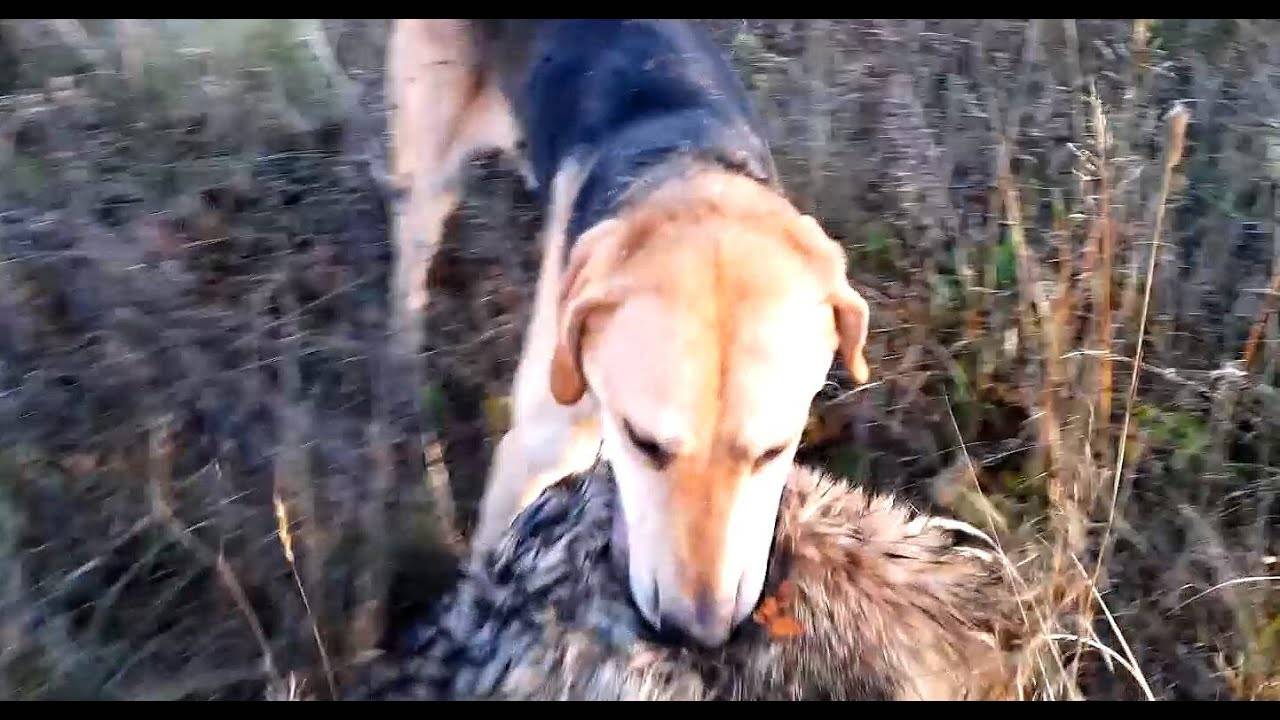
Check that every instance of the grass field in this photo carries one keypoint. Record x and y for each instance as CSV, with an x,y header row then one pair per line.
x,y
215,483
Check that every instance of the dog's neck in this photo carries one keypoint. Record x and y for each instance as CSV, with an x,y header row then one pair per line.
x,y
698,189
691,189
653,154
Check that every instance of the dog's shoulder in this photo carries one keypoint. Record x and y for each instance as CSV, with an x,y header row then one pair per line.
x,y
631,95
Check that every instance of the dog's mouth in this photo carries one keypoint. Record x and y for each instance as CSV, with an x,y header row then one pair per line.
x,y
764,621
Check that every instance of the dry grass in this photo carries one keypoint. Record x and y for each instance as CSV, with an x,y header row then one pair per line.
x,y
1069,233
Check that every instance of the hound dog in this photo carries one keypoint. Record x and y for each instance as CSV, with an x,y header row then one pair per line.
x,y
686,313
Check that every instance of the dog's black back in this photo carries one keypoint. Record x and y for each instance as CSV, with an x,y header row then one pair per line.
x,y
627,94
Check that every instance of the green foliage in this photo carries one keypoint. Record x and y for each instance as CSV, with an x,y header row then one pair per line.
x,y
1185,434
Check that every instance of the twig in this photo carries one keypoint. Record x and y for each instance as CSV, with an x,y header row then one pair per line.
x,y
1111,654
1178,119
292,469
1228,583
1102,273
286,542
1133,662
1268,307
160,472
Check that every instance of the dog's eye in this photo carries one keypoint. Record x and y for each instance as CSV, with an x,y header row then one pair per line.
x,y
769,456
647,446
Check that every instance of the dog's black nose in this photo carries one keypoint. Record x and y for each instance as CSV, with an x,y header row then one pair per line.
x,y
671,632
704,608
704,621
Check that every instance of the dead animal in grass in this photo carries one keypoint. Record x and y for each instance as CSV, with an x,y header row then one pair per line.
x,y
867,600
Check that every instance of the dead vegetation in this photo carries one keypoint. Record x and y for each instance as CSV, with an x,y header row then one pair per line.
x,y
214,483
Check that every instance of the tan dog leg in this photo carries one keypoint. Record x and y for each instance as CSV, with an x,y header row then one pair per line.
x,y
547,441
443,112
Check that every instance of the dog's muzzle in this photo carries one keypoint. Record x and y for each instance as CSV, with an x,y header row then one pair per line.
x,y
702,619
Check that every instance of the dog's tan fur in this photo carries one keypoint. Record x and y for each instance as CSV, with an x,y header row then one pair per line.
x,y
704,315
443,112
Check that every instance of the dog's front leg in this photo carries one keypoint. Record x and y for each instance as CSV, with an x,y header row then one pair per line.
x,y
547,441
538,451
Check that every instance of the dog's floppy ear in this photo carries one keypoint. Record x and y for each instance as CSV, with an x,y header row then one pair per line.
x,y
852,314
583,290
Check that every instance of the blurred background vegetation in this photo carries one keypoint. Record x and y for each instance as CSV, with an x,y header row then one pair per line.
x,y
215,484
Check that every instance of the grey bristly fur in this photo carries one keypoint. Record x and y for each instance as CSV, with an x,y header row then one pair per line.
x,y
889,604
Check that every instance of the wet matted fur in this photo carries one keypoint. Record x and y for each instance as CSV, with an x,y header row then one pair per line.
x,y
868,599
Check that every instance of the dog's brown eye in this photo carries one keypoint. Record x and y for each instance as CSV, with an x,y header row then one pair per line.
x,y
647,446
769,456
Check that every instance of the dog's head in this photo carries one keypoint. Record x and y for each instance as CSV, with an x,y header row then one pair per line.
x,y
704,320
